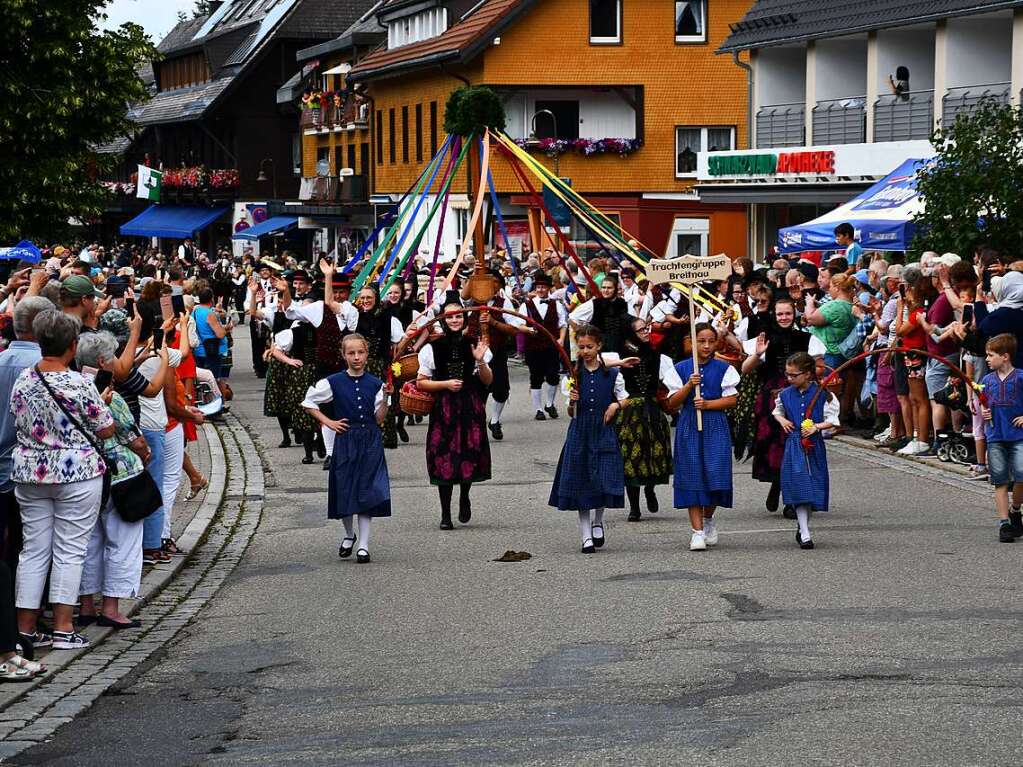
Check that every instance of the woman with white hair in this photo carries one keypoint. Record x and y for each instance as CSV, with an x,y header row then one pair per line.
x,y
113,560
58,477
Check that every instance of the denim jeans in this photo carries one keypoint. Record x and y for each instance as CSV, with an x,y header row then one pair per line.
x,y
152,526
1005,462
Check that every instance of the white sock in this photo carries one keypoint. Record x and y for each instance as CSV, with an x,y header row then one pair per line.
x,y
598,518
498,409
585,528
535,394
364,520
349,531
803,517
708,522
549,392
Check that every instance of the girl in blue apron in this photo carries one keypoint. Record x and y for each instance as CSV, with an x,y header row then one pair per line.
x,y
358,483
591,475
804,466
703,459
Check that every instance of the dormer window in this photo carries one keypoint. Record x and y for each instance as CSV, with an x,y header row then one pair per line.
x,y
419,26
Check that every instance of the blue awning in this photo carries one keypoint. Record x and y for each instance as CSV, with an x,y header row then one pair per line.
x,y
174,221
271,225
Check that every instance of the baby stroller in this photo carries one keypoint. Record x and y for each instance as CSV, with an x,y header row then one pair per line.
x,y
956,447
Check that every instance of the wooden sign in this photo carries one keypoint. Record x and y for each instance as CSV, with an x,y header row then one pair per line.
x,y
688,270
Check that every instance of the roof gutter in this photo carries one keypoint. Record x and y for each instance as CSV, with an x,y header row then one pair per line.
x,y
392,70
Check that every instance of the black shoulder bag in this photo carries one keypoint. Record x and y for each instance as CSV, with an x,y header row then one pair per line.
x,y
134,498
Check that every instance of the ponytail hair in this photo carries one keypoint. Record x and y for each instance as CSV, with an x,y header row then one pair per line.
x,y
804,363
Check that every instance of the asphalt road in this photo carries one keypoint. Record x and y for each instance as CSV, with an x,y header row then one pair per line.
x,y
896,641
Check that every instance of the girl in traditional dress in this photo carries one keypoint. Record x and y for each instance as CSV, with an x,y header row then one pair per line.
x,y
768,352
358,483
703,459
804,468
644,434
457,373
609,313
404,312
590,474
382,330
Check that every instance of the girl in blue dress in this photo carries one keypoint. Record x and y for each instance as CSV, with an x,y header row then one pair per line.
x,y
804,470
703,459
358,483
591,475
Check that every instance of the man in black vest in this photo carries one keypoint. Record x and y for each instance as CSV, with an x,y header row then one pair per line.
x,y
542,357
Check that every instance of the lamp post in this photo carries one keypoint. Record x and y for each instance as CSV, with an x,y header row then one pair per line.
x,y
262,177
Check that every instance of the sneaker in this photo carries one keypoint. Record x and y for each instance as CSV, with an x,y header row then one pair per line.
x,y
710,532
698,542
69,640
1005,533
552,412
539,416
496,432
1016,522
36,640
898,444
913,447
879,438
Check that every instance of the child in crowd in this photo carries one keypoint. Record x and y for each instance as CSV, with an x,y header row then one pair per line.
x,y
591,474
703,459
804,467
358,483
1003,428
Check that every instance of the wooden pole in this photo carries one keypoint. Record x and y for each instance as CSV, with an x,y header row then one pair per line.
x,y
696,359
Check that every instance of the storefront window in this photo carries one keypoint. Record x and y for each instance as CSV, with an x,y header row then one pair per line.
x,y
690,141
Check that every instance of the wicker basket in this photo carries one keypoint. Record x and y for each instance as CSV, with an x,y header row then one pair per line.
x,y
415,402
408,367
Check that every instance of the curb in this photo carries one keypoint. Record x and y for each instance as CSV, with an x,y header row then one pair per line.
x,y
153,582
932,463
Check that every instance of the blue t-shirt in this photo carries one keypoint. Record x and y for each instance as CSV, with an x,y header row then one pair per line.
x,y
853,252
1005,400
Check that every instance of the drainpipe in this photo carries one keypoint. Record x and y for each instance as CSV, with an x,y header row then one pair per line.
x,y
751,208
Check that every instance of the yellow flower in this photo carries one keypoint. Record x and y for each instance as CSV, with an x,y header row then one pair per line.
x,y
807,423
977,386
396,368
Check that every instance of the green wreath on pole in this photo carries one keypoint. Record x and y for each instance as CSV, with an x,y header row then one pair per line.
x,y
472,110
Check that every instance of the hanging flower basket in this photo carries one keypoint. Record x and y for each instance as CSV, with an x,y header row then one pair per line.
x,y
585,146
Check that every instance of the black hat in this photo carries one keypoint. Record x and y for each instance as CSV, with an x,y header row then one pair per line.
x,y
341,281
542,278
301,274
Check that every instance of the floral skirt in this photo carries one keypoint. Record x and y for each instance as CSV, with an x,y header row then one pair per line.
x,y
457,448
380,368
769,439
644,437
286,388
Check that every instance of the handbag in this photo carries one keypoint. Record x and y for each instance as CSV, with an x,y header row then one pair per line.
x,y
134,498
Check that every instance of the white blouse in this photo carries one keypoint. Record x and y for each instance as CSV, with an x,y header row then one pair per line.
x,y
347,318
427,366
817,348
320,393
832,409
666,372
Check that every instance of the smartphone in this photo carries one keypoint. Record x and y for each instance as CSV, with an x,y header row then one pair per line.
x,y
157,338
178,304
103,379
967,314
116,289
902,290
166,308
129,306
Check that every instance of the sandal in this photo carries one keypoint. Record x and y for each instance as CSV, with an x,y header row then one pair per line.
x,y
11,672
170,547
33,667
198,488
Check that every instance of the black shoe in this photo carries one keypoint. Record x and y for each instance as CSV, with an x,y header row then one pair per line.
x,y
464,511
445,523
321,449
1016,522
789,512
898,444
807,544
598,540
418,418
495,430
362,556
772,497
1005,533
539,416
651,500
588,547
346,551
391,444
106,622
402,434
308,459
552,412
326,463
286,442
635,516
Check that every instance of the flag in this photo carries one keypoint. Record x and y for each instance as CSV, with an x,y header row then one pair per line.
x,y
149,183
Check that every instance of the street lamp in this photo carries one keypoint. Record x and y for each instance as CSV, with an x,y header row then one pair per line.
x,y
262,177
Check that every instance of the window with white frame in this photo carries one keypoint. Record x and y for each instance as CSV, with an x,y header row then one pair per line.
x,y
691,21
689,237
421,26
605,21
691,140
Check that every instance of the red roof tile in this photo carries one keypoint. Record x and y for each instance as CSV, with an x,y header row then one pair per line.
x,y
454,43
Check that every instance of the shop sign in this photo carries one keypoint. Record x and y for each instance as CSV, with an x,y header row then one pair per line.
x,y
769,164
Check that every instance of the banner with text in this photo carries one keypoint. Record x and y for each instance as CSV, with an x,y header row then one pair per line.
x,y
689,269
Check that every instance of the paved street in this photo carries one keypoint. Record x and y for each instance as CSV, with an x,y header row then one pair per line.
x,y
895,642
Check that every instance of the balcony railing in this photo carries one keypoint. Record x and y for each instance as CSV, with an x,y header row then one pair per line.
x,y
904,116
318,189
840,121
348,114
966,99
781,125
354,189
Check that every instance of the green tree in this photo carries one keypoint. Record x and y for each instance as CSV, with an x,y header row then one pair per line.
x,y
973,192
64,87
